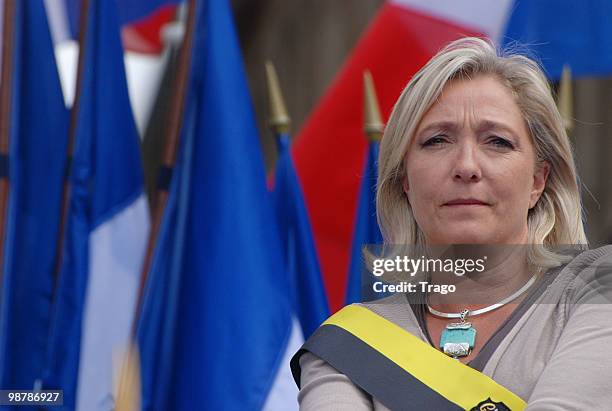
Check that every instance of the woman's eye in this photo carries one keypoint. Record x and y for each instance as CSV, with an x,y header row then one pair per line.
x,y
435,141
501,142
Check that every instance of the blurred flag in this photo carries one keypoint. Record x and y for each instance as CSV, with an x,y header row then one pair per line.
x,y
142,21
557,31
147,51
38,138
301,261
216,329
107,226
131,11
145,35
366,231
577,33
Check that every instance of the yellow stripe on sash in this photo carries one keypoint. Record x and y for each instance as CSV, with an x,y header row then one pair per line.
x,y
450,378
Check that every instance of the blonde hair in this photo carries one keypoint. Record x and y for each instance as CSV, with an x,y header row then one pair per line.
x,y
556,219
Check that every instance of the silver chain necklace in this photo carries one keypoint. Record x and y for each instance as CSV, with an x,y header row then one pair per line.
x,y
459,338
471,313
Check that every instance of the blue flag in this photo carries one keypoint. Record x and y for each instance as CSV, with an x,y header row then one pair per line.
x,y
133,10
130,11
216,318
38,138
106,227
301,261
577,33
366,232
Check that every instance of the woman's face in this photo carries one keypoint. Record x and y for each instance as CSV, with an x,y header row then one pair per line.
x,y
471,169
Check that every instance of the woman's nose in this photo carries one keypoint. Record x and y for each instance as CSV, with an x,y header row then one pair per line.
x,y
467,167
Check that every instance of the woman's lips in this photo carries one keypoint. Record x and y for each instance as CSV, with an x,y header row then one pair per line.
x,y
465,201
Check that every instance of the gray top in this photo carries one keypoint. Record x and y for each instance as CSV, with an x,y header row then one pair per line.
x,y
554,351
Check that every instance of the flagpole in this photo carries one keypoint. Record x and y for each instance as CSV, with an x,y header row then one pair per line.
x,y
565,97
373,125
366,230
6,74
169,154
128,395
279,122
129,386
65,204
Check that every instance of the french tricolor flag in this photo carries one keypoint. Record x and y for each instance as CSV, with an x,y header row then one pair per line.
x,y
146,48
403,36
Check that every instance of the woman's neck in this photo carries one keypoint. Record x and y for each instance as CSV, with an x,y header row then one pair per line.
x,y
505,271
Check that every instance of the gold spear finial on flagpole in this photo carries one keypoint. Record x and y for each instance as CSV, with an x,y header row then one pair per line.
x,y
373,125
279,119
128,387
565,99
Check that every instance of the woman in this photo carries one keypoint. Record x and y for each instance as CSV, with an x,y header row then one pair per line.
x,y
475,153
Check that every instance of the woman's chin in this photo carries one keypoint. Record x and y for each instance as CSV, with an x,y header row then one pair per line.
x,y
466,236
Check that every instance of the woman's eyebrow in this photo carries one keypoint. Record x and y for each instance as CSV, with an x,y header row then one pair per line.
x,y
438,126
488,125
451,126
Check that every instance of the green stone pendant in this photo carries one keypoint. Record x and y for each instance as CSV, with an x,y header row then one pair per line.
x,y
457,339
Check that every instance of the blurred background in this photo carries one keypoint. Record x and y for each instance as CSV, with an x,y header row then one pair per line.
x,y
165,188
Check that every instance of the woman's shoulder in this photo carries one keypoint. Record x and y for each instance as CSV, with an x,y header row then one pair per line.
x,y
592,255
396,309
333,356
587,278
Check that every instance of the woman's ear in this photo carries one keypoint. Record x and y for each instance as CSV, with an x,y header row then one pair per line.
x,y
405,185
539,182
